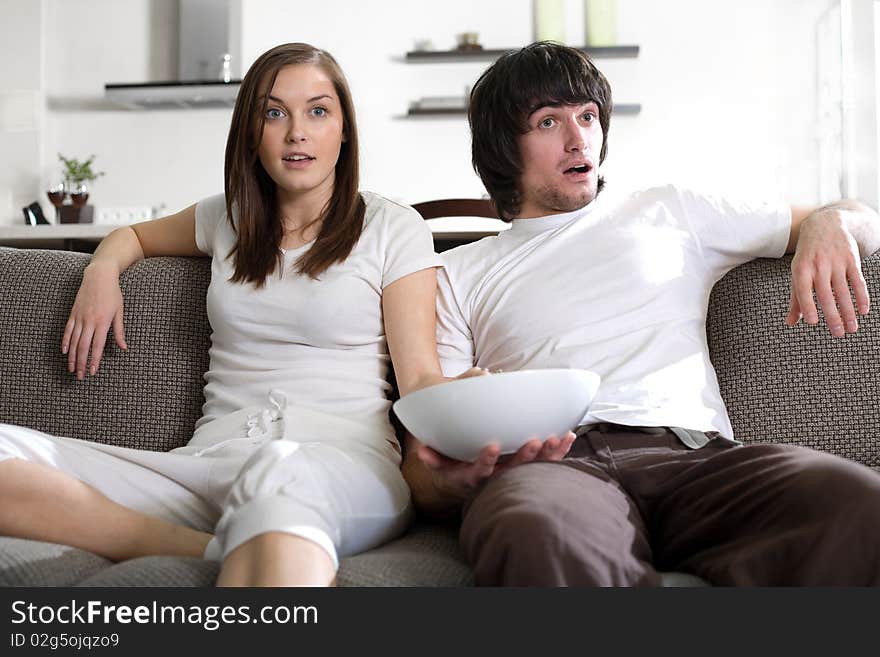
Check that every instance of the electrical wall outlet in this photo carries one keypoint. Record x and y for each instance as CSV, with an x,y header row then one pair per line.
x,y
123,216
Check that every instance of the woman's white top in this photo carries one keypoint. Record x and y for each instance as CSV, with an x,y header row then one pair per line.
x,y
321,342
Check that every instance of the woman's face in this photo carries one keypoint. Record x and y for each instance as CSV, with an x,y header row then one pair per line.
x,y
303,131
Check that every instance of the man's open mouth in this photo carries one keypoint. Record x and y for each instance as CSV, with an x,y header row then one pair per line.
x,y
580,168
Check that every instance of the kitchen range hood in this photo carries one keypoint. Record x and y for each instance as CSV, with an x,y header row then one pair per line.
x,y
208,45
173,95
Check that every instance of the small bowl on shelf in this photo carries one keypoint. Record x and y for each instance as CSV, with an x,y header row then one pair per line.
x,y
468,41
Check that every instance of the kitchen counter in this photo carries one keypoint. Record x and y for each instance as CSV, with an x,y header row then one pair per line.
x,y
67,237
54,232
83,237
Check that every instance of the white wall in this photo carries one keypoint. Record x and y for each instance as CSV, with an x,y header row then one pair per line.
x,y
859,101
729,94
21,104
727,90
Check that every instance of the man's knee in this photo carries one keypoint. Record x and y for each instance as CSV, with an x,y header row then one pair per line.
x,y
508,546
524,529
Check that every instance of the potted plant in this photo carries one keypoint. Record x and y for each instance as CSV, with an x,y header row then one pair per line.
x,y
78,175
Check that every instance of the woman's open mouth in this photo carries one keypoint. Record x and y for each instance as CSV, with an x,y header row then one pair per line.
x,y
297,160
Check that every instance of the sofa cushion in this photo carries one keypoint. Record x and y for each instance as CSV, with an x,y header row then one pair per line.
x,y
427,555
35,563
148,397
156,571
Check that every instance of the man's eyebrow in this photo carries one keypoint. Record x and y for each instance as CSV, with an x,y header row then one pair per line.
x,y
537,108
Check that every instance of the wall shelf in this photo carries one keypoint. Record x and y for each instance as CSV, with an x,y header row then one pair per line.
x,y
451,109
415,112
484,54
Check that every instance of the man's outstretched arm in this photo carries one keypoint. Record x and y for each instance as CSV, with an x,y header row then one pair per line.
x,y
828,244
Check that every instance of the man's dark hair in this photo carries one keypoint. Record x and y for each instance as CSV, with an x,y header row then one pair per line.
x,y
521,81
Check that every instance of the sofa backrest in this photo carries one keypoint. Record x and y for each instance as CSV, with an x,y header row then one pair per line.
x,y
794,385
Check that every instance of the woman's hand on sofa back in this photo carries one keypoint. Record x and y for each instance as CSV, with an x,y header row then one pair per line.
x,y
98,304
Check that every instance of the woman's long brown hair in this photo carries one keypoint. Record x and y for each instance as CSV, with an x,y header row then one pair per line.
x,y
252,192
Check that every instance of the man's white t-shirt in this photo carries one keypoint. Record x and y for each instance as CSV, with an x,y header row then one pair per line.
x,y
321,342
620,288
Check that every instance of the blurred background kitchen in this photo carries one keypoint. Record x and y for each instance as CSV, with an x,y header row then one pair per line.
x,y
775,99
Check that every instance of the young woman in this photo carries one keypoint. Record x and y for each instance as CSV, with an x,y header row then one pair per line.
x,y
314,286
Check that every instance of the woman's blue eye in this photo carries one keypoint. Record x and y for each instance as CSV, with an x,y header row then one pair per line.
x,y
274,113
319,111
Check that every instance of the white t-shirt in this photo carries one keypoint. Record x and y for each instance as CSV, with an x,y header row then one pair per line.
x,y
620,288
321,342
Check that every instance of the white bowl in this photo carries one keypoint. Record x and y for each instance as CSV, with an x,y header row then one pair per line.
x,y
461,417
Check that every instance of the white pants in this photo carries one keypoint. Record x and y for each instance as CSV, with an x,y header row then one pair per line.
x,y
281,468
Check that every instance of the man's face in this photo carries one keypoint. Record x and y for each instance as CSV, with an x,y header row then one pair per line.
x,y
560,156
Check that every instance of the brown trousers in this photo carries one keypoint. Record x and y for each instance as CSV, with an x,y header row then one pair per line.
x,y
625,504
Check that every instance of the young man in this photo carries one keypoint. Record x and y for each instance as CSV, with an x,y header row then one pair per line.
x,y
654,479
